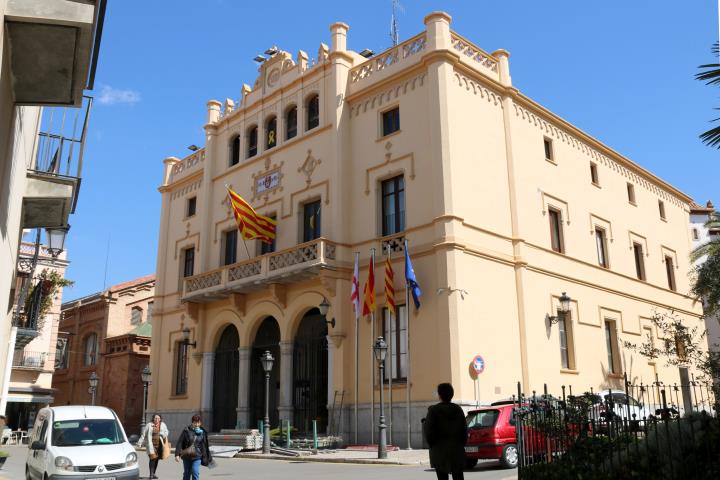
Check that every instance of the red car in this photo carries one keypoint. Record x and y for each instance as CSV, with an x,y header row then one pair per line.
x,y
491,435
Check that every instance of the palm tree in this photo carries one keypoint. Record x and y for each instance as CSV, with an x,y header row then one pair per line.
x,y
706,284
711,76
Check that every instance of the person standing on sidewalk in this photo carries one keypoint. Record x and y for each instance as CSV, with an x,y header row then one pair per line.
x,y
154,435
446,434
194,449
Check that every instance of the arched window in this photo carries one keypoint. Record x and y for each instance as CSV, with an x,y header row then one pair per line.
x,y
252,141
91,350
313,112
291,122
271,133
136,315
235,150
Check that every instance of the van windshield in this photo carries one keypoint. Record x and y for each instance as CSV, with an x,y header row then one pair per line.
x,y
73,433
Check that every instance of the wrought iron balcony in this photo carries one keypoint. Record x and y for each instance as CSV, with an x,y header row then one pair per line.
x,y
291,265
29,360
51,191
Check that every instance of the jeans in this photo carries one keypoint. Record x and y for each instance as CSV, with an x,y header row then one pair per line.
x,y
459,475
154,465
192,468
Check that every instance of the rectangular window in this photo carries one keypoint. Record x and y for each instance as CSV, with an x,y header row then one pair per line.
x,y
661,207
564,354
670,270
149,311
601,243
391,121
188,261
594,174
393,205
556,234
230,239
267,247
181,364
695,234
612,347
396,335
548,149
639,261
311,221
191,206
631,193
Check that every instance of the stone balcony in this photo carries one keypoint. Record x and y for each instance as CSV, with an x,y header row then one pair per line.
x,y
295,264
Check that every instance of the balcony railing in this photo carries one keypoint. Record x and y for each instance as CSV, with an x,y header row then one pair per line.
x,y
54,180
30,360
286,266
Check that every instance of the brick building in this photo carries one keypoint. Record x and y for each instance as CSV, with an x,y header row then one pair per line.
x,y
107,333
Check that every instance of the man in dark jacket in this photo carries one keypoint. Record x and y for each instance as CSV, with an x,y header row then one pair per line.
x,y
194,449
446,434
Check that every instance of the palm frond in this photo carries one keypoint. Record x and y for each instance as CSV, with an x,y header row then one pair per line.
x,y
711,138
712,76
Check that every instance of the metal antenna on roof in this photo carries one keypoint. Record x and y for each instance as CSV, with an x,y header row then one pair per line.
x,y
394,34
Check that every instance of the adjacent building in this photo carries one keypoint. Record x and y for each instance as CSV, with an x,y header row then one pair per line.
x,y
505,207
701,234
108,334
48,54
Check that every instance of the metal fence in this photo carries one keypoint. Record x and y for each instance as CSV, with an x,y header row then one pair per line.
x,y
22,358
659,431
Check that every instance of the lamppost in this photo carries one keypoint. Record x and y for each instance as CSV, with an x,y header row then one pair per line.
x,y
562,311
323,309
145,375
267,364
93,386
380,350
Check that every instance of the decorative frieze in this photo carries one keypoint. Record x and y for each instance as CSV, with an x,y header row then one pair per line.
x,y
375,101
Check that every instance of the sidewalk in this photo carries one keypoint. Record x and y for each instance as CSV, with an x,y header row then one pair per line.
x,y
398,457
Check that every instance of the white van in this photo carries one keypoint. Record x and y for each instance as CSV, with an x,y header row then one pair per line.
x,y
79,443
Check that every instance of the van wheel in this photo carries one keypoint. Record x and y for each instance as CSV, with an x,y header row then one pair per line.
x,y
509,458
470,463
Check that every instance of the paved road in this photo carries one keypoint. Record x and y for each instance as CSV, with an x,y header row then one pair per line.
x,y
282,470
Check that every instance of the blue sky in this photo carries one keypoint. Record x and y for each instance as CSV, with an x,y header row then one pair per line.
x,y
621,71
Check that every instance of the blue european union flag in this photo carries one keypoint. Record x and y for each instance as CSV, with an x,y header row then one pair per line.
x,y
411,281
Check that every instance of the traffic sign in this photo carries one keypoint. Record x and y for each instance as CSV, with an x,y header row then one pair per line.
x,y
478,364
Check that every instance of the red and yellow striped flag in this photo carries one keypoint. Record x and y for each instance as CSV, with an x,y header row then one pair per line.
x,y
369,290
389,286
250,223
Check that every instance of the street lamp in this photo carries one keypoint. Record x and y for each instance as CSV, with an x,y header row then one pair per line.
x,y
93,381
267,364
186,338
145,375
56,239
562,311
323,308
380,351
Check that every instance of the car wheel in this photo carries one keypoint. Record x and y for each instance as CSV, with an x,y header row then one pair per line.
x,y
470,463
509,458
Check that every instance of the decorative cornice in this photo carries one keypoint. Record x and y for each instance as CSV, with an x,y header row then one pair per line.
x,y
387,95
479,89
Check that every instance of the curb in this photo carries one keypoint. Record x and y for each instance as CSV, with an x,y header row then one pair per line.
x,y
313,458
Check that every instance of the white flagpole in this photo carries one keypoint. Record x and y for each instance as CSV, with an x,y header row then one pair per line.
x,y
390,341
356,308
407,353
372,354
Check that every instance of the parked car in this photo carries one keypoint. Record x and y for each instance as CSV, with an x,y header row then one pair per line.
x,y
79,442
491,435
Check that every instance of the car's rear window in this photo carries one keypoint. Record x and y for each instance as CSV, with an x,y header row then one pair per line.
x,y
73,433
482,418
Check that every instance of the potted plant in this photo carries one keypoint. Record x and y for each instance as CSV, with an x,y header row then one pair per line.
x,y
3,456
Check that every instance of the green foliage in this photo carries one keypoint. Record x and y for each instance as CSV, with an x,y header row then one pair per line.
x,y
711,76
50,281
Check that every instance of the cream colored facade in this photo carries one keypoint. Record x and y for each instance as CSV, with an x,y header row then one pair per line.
x,y
479,192
33,364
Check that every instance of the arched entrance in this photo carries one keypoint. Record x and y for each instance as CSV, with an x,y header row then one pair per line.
x,y
310,373
225,380
266,338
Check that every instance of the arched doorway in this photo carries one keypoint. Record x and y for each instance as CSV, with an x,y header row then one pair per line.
x,y
310,373
266,338
225,380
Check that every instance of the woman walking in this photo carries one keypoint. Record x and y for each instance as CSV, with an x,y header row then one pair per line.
x,y
154,435
446,434
194,449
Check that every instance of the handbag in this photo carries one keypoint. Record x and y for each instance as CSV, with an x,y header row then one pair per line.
x,y
165,453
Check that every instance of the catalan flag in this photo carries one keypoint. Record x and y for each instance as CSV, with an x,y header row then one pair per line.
x,y
250,223
389,287
369,290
